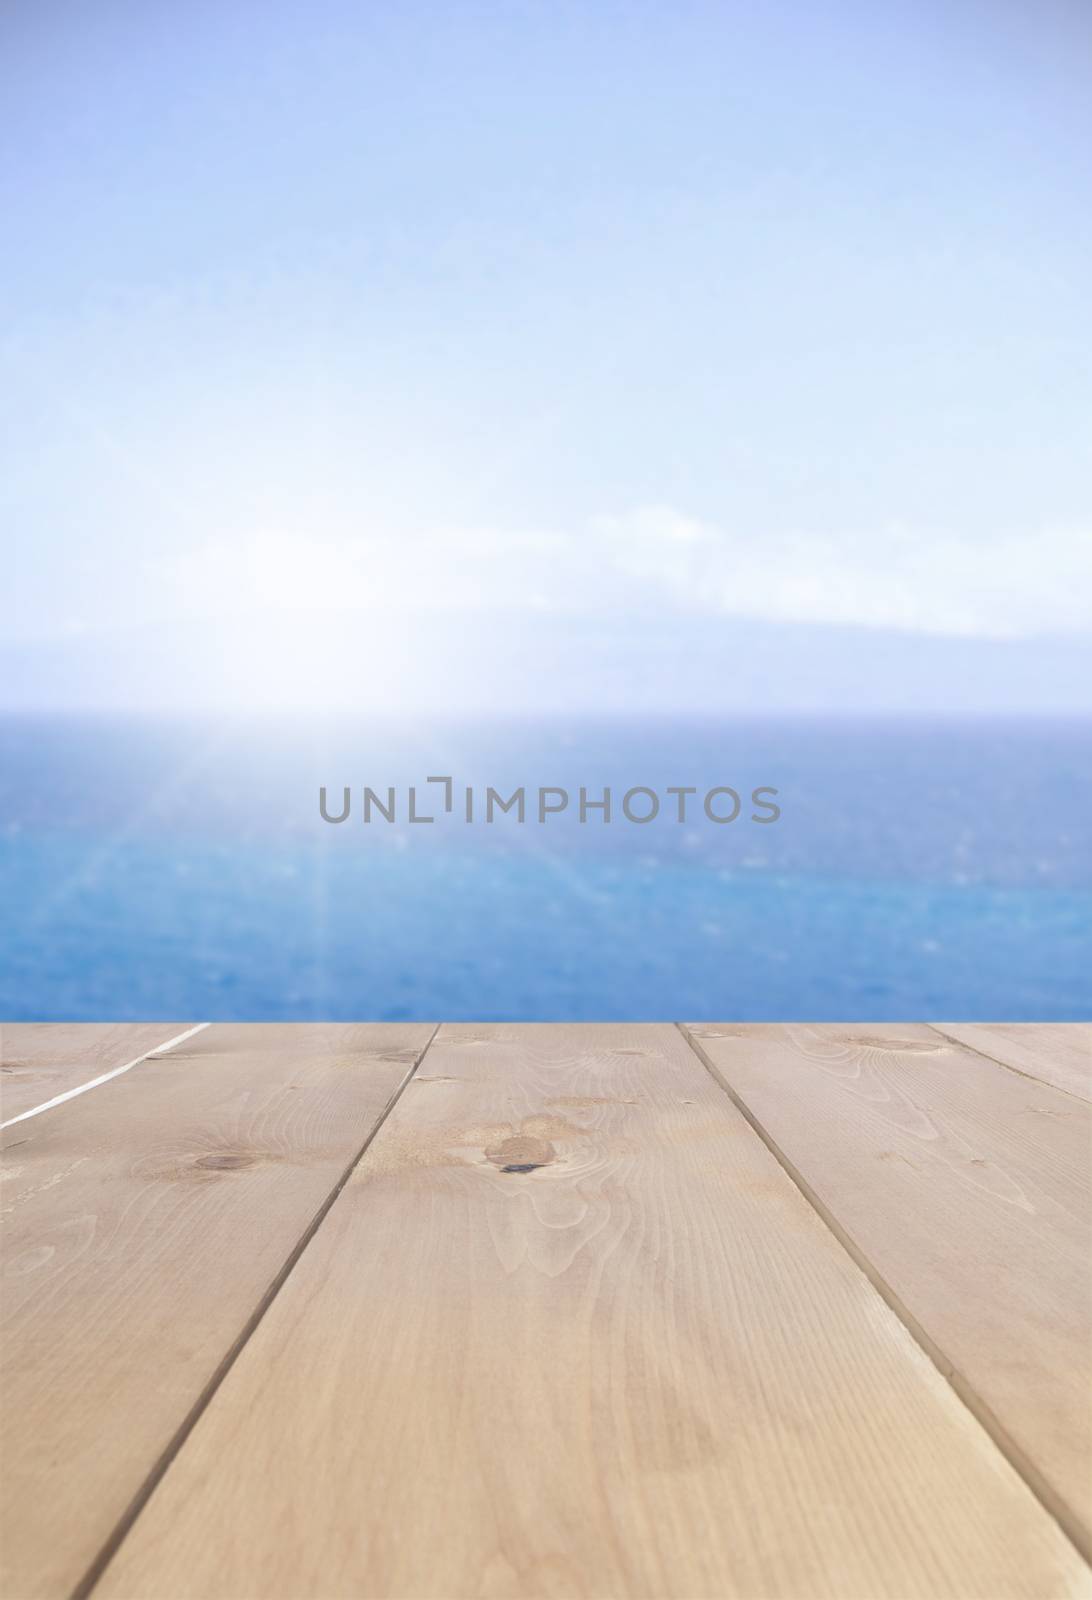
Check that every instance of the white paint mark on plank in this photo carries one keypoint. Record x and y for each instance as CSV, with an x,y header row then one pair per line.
x,y
104,1077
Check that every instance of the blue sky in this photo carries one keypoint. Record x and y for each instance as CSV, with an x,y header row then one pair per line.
x,y
595,348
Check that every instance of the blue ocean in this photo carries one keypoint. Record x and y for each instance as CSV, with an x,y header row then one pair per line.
x,y
181,870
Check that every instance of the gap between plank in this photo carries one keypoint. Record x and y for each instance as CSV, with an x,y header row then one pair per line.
x,y
1047,1496
961,1044
104,1077
118,1534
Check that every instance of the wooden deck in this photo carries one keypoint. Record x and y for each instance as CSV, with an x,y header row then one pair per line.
x,y
307,1312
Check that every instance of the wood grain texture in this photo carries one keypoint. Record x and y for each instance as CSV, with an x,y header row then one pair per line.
x,y
142,1224
1058,1053
968,1189
571,1330
41,1059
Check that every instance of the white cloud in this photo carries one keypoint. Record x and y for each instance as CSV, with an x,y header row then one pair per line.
x,y
1014,586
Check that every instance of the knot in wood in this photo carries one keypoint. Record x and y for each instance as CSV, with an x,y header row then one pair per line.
x,y
522,1153
224,1161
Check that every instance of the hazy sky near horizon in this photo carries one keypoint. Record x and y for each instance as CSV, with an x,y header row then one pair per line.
x,y
319,316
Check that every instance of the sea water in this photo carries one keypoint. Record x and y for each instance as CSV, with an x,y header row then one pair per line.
x,y
181,869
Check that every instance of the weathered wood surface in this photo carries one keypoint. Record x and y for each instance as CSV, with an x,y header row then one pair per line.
x,y
41,1059
968,1188
144,1223
570,1329
1058,1053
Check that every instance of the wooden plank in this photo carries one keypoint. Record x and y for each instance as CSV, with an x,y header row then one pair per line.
x,y
967,1187
41,1059
571,1330
1058,1053
143,1223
